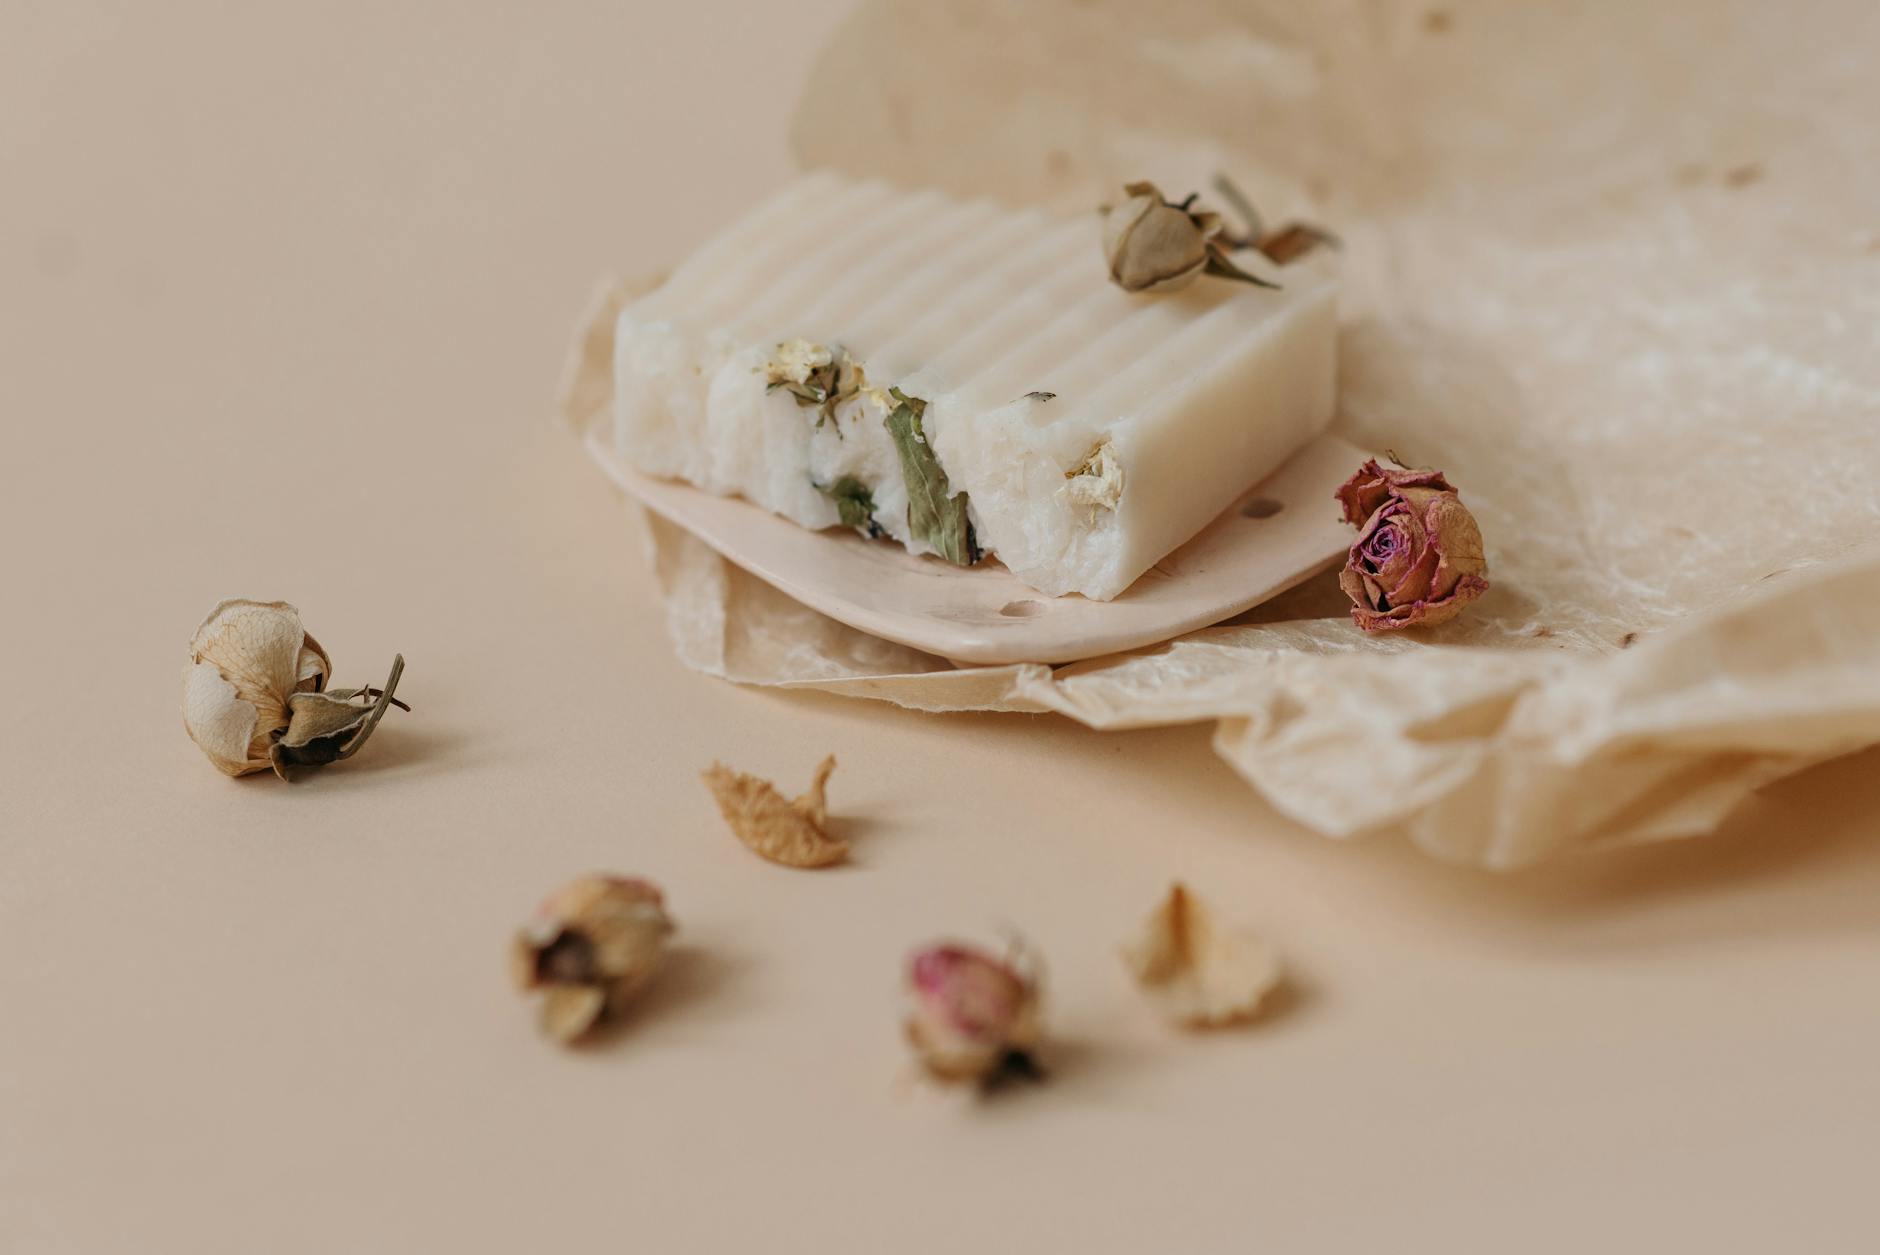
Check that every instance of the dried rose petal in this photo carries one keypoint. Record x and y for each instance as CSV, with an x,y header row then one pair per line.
x,y
794,832
1374,483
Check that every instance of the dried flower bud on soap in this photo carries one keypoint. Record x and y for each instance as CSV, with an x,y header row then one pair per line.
x,y
1154,245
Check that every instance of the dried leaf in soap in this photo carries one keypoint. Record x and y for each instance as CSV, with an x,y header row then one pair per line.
x,y
933,515
793,832
1196,973
855,504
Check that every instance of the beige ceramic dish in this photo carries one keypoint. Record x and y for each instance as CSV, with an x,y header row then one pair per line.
x,y
1279,533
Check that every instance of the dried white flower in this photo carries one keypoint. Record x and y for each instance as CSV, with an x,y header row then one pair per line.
x,y
245,661
1198,974
254,693
796,361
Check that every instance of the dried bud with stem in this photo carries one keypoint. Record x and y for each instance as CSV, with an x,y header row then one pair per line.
x,y
255,695
1155,245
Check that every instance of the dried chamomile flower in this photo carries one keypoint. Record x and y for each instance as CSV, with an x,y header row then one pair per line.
x,y
791,831
815,375
591,944
1198,974
1155,245
796,362
972,1017
255,695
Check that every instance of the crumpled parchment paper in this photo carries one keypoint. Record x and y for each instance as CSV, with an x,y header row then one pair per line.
x,y
1614,267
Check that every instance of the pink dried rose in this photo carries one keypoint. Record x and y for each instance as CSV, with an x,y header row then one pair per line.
x,y
973,1017
1418,557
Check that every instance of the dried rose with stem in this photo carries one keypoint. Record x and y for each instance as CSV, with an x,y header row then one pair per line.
x,y
255,695
1152,244
972,1017
1418,559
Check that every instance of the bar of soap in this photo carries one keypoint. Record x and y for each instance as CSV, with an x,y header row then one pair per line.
x,y
963,378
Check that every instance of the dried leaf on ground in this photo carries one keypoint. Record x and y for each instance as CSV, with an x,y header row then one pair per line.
x,y
791,831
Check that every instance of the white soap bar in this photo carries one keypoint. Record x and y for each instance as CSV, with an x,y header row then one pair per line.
x,y
1161,409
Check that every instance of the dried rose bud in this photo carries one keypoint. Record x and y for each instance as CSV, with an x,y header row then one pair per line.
x,y
255,696
973,1017
1153,245
1418,558
591,944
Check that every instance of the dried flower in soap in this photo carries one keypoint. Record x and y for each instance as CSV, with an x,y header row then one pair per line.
x,y
815,375
1097,481
794,832
591,944
1418,558
1154,245
972,1017
854,502
255,695
1198,974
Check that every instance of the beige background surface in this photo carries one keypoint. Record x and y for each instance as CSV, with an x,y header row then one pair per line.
x,y
283,292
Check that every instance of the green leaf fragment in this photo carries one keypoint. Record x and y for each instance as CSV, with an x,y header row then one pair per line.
x,y
934,515
855,504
